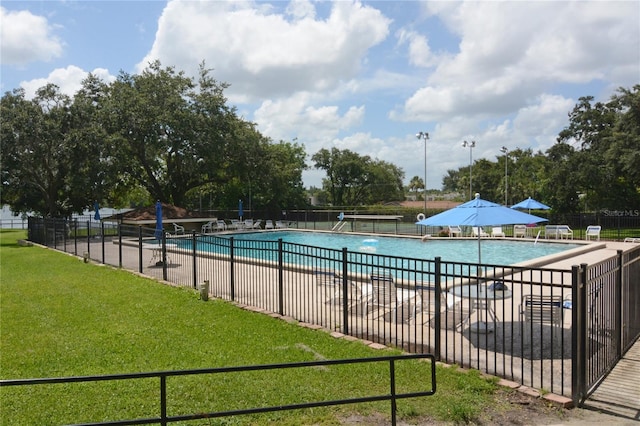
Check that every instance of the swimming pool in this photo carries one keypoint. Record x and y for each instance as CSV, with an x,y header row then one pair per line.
x,y
494,251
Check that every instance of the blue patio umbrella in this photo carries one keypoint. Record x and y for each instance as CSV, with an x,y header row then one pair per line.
x,y
530,204
240,211
479,212
159,230
96,207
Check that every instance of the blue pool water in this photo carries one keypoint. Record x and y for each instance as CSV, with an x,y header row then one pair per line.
x,y
494,251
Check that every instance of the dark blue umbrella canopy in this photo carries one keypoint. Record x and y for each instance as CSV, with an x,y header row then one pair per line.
x,y
530,204
240,210
479,212
159,228
96,207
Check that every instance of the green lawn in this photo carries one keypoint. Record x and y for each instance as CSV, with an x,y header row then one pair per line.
x,y
62,317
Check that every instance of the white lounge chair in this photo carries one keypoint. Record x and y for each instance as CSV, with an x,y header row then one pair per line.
x,y
519,231
221,225
455,231
391,302
207,227
564,232
593,231
257,224
497,231
478,231
248,224
268,224
541,309
178,229
281,225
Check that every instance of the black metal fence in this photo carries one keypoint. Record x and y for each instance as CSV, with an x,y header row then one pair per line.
x,y
164,417
555,329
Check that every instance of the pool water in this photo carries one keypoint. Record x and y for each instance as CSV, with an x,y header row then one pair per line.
x,y
494,251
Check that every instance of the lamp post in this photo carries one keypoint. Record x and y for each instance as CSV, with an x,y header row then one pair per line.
x,y
471,145
505,151
425,136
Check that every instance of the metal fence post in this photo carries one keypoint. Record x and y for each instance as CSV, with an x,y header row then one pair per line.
x,y
345,289
619,326
280,278
102,240
119,245
164,256
392,389
89,239
438,316
140,248
232,275
195,259
75,237
577,371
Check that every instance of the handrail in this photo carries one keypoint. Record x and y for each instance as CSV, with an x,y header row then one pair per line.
x,y
163,419
338,226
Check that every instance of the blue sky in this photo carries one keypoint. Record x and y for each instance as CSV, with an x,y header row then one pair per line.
x,y
365,76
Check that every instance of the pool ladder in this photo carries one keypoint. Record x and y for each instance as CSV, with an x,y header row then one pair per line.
x,y
338,226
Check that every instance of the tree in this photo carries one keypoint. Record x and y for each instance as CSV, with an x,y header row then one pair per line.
x,y
608,151
37,160
355,180
415,184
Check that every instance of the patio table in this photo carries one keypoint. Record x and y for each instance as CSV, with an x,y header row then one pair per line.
x,y
481,297
156,252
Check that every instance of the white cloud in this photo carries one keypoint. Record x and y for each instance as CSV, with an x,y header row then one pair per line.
x,y
68,79
263,53
510,51
25,38
314,126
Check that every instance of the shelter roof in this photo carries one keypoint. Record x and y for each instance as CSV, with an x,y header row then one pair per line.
x,y
169,211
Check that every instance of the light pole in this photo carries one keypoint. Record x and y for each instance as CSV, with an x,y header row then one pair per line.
x,y
425,136
505,151
471,145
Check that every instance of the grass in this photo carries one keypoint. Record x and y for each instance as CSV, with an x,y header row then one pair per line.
x,y
62,317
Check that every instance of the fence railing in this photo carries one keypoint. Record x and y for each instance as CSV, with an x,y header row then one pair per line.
x,y
554,329
164,397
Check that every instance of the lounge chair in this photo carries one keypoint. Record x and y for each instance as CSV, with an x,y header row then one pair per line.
x,y
329,282
257,224
478,231
519,231
391,302
235,224
221,225
207,227
455,231
178,229
593,231
565,232
497,231
248,224
268,224
454,314
281,225
540,309
558,231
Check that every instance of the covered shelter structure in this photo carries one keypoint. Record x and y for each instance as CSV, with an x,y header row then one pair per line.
x,y
146,216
